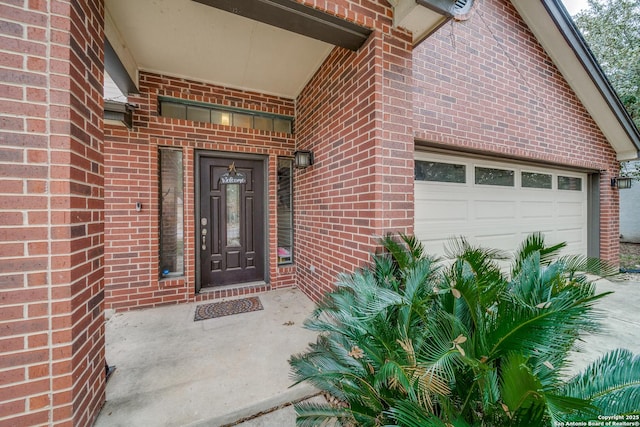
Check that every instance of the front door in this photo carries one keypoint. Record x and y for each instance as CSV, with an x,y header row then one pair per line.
x,y
232,225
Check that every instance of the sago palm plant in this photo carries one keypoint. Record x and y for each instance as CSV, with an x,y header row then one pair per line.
x,y
410,341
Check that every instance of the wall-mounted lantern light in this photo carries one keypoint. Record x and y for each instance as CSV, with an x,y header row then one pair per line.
x,y
621,182
303,158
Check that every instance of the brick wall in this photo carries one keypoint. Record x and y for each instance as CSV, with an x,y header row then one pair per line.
x,y
485,84
51,237
356,115
131,175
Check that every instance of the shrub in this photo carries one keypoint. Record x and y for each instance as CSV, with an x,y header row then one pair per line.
x,y
411,341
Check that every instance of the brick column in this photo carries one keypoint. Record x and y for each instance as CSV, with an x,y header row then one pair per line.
x,y
51,212
356,114
396,141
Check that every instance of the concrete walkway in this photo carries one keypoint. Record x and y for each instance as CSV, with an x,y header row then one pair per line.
x,y
620,314
172,371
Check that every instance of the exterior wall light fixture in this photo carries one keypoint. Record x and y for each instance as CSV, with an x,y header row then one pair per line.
x,y
303,158
621,182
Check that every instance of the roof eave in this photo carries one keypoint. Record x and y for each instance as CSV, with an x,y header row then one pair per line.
x,y
607,111
421,17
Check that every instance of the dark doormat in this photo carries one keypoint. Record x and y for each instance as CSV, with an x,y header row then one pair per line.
x,y
226,308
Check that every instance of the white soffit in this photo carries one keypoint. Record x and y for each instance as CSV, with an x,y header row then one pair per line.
x,y
421,21
111,92
187,39
564,57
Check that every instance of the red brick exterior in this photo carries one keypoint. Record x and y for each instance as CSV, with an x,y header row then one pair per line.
x,y
486,84
363,172
132,275
73,243
356,115
51,219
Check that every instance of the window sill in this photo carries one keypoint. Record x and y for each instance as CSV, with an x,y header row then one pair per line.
x,y
285,264
171,276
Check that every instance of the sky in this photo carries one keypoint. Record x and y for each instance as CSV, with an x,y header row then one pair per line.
x,y
574,6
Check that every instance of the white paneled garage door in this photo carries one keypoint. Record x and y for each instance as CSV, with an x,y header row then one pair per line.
x,y
497,203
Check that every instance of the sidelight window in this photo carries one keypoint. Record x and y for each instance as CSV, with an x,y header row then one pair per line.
x,y
171,213
285,211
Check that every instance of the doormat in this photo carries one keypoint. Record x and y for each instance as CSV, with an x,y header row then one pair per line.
x,y
227,308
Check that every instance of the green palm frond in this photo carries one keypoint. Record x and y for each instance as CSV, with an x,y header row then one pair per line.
x,y
459,246
566,408
415,247
393,375
406,413
520,389
534,243
328,358
385,270
417,295
534,284
489,386
403,251
437,349
587,265
611,383
355,302
524,393
533,416
407,342
321,415
533,330
478,270
544,311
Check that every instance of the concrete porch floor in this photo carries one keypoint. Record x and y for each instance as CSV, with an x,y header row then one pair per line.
x,y
172,371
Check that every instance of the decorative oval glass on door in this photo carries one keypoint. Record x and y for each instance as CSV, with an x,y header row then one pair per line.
x,y
233,214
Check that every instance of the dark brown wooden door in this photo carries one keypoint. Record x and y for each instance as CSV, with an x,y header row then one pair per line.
x,y
231,228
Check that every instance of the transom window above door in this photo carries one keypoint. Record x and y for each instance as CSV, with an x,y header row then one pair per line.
x,y
221,115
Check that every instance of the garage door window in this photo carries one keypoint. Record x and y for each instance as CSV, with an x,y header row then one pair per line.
x,y
440,172
536,180
491,176
569,183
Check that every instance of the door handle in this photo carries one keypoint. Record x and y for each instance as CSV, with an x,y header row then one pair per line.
x,y
204,239
203,232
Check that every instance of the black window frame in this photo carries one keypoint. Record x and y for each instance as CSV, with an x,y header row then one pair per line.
x,y
164,262
284,212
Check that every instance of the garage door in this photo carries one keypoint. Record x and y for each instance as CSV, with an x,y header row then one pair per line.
x,y
497,204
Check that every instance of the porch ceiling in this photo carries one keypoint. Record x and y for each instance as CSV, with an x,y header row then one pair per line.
x,y
268,46
188,39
